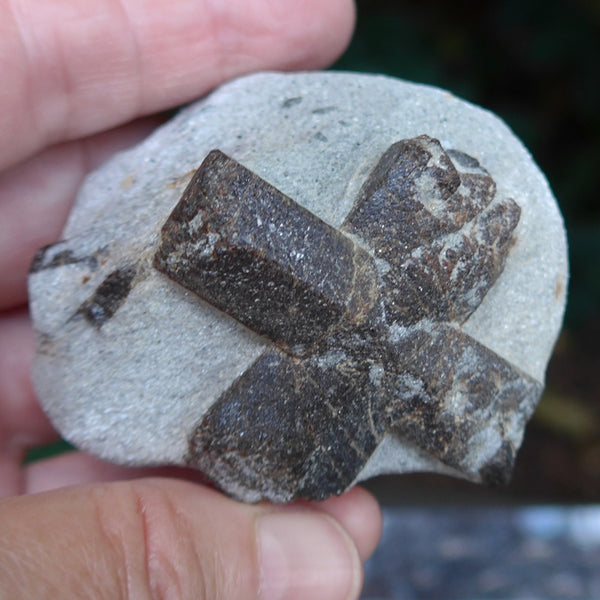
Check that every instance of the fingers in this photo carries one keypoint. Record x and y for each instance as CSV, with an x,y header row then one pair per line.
x,y
159,538
22,422
360,515
306,555
35,198
79,468
357,510
69,71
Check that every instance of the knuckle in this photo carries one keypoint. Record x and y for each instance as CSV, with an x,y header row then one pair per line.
x,y
175,567
151,545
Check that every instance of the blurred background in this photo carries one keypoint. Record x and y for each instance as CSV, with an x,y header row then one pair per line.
x,y
536,63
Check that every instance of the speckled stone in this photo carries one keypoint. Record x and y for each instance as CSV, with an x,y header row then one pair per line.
x,y
128,362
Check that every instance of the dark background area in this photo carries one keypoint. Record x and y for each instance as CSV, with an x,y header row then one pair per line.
x,y
537,65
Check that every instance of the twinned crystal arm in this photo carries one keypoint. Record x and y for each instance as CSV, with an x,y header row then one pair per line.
x,y
253,252
451,396
415,194
290,428
431,221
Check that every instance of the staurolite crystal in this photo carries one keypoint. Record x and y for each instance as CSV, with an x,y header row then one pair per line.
x,y
366,332
287,344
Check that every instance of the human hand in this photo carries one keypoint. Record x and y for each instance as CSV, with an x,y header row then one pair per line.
x,y
75,76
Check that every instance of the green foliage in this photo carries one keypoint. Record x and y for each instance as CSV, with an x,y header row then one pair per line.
x,y
48,451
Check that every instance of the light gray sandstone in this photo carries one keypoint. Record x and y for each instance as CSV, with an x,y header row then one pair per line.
x,y
133,389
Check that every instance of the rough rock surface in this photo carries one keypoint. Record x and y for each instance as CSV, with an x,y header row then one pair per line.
x,y
456,287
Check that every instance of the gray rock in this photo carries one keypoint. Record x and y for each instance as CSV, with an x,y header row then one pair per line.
x,y
136,364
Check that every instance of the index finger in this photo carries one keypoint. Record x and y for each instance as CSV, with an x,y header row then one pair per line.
x,y
71,69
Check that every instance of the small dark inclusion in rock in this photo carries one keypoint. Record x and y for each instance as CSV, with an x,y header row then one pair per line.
x,y
108,297
53,256
361,348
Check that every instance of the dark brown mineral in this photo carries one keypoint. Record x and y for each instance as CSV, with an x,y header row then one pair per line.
x,y
364,322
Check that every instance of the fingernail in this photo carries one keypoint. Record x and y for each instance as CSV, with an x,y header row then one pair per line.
x,y
306,555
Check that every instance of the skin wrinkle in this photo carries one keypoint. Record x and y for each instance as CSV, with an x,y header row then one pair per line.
x,y
141,507
12,560
85,88
55,126
168,38
223,53
11,65
63,84
230,38
38,72
132,570
136,53
16,556
163,569
11,12
228,33
199,559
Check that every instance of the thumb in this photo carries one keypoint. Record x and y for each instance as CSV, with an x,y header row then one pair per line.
x,y
161,538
